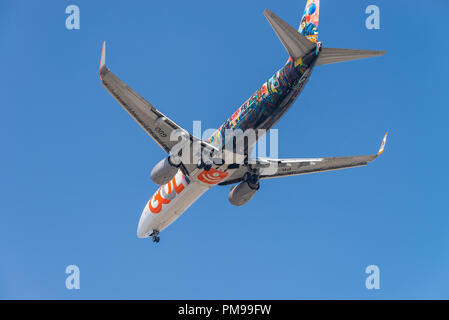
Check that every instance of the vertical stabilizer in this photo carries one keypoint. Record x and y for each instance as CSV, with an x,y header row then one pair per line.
x,y
310,20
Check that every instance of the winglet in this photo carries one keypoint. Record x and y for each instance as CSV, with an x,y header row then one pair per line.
x,y
103,68
382,146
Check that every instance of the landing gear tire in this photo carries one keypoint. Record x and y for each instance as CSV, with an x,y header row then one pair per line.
x,y
203,165
155,236
252,180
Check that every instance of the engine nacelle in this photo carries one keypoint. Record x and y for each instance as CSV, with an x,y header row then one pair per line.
x,y
163,172
242,193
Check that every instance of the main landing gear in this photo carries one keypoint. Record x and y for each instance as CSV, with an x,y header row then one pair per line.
x,y
155,236
203,165
252,179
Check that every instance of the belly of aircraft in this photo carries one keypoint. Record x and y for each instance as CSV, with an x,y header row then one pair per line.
x,y
171,200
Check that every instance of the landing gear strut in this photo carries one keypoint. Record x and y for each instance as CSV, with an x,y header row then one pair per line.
x,y
203,165
252,179
155,236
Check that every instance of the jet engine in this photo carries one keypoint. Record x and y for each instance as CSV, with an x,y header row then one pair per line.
x,y
163,172
242,193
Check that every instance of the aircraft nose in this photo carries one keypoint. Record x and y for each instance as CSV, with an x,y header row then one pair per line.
x,y
140,232
142,226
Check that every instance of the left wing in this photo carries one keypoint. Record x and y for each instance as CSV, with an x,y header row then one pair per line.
x,y
159,127
155,123
275,168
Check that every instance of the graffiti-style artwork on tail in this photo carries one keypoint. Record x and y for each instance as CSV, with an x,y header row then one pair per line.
x,y
182,182
310,19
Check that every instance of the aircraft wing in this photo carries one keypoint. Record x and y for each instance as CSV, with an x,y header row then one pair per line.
x,y
275,168
158,126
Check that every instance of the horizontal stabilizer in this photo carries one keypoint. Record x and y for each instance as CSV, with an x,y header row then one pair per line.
x,y
334,55
295,43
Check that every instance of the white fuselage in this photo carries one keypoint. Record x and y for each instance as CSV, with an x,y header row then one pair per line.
x,y
175,197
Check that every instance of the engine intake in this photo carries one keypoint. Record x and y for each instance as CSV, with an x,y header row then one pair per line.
x,y
163,172
242,193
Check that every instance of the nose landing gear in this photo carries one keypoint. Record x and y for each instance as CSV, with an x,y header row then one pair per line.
x,y
155,236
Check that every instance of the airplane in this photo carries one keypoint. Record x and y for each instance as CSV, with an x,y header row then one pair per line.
x,y
182,182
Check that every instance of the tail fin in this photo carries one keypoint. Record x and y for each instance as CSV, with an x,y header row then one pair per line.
x,y
299,43
310,20
295,43
333,55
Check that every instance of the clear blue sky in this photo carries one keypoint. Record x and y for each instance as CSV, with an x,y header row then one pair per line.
x,y
75,167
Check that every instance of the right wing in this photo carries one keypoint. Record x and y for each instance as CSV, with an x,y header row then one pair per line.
x,y
158,126
275,168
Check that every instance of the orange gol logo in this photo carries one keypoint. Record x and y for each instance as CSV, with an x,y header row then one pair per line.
x,y
166,193
212,176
